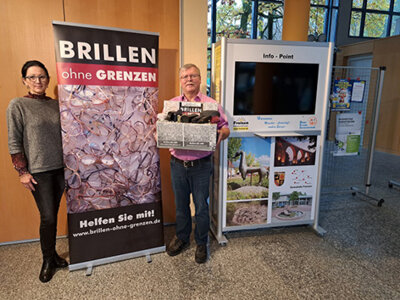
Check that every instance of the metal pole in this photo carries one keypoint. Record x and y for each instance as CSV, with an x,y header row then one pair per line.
x,y
393,183
221,238
372,141
254,16
319,230
213,21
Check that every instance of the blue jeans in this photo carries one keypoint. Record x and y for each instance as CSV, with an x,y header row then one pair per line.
x,y
193,180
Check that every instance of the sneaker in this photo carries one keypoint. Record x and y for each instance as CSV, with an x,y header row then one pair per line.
x,y
176,246
201,254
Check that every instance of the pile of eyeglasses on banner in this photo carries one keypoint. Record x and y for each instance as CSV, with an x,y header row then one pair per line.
x,y
110,153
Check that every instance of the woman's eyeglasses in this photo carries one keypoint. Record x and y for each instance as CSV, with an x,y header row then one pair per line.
x,y
33,78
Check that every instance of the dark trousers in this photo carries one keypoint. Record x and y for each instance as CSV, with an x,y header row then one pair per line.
x,y
193,180
47,194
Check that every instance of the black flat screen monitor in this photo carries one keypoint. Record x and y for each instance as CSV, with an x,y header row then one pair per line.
x,y
266,88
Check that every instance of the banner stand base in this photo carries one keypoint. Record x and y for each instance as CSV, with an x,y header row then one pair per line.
x,y
92,263
89,270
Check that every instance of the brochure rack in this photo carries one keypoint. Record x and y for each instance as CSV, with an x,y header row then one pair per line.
x,y
393,183
350,170
267,173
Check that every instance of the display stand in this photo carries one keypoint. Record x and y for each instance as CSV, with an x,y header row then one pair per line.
x,y
371,147
267,173
345,168
393,183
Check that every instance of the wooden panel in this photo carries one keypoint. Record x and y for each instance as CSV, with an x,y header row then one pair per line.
x,y
26,36
387,53
355,49
168,84
23,36
195,45
160,16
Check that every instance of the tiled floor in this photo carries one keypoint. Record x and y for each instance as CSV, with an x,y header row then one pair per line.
x,y
358,258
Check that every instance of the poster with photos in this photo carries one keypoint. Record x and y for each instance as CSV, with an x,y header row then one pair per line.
x,y
293,179
247,180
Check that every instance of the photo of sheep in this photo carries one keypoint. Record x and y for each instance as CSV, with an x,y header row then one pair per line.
x,y
248,168
246,213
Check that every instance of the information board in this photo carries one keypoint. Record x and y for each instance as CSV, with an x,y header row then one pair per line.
x,y
275,95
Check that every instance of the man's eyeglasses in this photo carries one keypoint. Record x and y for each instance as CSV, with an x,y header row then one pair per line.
x,y
33,78
193,76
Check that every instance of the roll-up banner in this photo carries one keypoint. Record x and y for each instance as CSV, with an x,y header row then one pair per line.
x,y
108,94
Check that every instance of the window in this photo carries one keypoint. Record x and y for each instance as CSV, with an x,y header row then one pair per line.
x,y
323,17
262,19
269,20
233,19
256,19
375,18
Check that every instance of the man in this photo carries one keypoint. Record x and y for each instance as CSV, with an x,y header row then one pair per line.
x,y
190,173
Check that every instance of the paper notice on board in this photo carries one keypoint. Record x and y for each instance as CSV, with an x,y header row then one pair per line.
x,y
348,134
358,91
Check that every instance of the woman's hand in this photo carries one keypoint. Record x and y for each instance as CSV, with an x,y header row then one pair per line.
x,y
28,181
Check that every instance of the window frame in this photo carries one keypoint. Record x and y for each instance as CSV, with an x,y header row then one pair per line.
x,y
329,5
390,13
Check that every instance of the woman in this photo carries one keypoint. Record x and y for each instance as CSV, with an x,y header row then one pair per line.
x,y
34,142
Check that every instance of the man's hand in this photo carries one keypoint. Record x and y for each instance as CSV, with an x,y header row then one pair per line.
x,y
223,133
28,181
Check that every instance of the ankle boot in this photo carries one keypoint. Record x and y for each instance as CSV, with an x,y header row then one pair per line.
x,y
59,262
47,271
